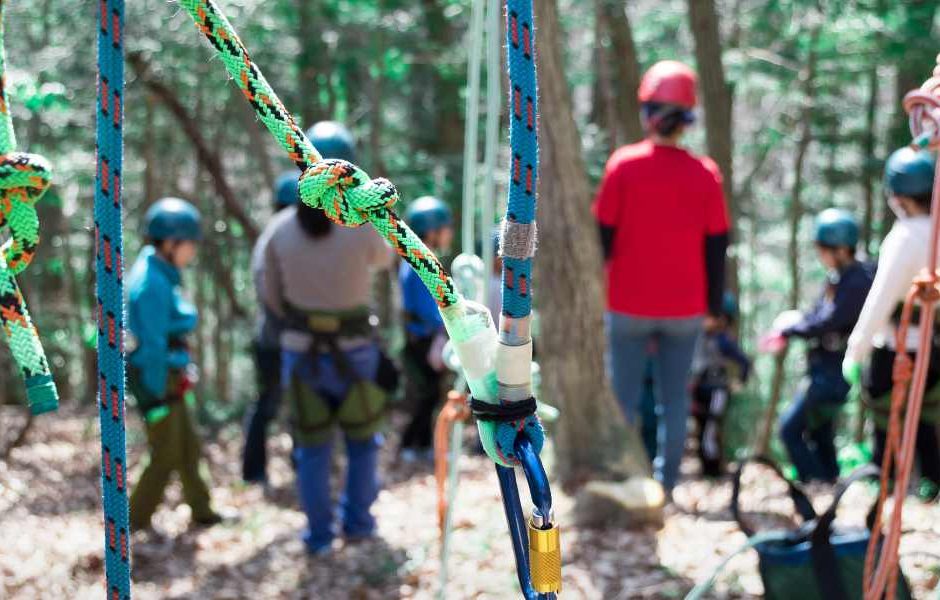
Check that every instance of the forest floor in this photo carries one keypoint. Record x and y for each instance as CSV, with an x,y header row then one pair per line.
x,y
52,536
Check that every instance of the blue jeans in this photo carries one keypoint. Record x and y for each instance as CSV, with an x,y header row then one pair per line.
x,y
807,427
362,488
629,338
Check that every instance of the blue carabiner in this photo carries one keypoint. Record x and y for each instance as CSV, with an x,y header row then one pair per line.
x,y
541,495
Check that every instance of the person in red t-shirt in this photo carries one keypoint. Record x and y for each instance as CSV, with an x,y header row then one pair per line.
x,y
664,230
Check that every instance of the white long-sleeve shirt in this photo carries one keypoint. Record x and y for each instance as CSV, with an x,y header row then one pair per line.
x,y
903,256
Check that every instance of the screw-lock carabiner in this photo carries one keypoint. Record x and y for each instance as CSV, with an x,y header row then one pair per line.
x,y
535,541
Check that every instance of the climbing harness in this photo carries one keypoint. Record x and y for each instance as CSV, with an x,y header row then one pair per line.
x,y
109,245
881,575
497,370
24,178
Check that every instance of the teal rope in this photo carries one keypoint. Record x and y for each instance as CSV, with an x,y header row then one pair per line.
x,y
110,291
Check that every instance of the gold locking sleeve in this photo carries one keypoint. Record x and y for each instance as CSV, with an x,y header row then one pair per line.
x,y
545,559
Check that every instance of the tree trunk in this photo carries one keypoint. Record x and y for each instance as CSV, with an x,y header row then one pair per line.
x,y
593,440
717,100
793,250
621,55
308,67
442,119
151,168
868,157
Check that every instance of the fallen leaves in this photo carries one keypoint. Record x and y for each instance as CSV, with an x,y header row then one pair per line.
x,y
51,527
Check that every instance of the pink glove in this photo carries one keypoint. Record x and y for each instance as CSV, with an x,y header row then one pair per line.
x,y
772,343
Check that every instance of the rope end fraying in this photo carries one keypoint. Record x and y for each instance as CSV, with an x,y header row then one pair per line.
x,y
41,395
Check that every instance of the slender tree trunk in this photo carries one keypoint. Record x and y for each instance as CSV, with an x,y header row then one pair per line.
x,y
309,74
260,156
868,151
621,55
717,100
592,438
148,150
442,120
793,249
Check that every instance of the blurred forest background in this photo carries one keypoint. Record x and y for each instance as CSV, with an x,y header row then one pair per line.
x,y
801,104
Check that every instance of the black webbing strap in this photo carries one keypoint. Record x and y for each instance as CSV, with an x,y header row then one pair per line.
x,y
503,412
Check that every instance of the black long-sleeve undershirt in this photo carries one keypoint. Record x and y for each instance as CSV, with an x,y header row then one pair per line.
x,y
607,239
716,248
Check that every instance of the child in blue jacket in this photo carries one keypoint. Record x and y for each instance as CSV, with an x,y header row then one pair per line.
x,y
159,318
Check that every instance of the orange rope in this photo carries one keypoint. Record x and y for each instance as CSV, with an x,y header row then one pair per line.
x,y
455,409
910,377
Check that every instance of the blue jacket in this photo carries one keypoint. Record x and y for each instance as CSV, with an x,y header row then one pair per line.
x,y
422,318
827,326
157,313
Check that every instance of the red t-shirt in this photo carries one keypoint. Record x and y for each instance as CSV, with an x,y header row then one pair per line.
x,y
663,201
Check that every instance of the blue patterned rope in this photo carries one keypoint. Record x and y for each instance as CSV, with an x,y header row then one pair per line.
x,y
523,141
518,236
109,248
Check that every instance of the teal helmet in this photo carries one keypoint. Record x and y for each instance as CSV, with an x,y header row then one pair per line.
x,y
909,172
836,227
285,190
427,214
173,219
729,306
333,140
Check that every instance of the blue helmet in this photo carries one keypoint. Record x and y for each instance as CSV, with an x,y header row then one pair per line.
x,y
333,140
836,227
909,172
285,190
427,214
173,219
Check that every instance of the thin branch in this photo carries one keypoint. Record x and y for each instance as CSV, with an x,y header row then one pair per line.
x,y
204,153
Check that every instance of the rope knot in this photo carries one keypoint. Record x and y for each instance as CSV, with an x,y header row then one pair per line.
x,y
345,192
927,291
24,178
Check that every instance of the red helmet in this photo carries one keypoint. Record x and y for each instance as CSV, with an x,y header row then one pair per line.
x,y
669,82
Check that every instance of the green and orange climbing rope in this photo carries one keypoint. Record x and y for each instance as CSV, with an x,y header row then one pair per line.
x,y
24,178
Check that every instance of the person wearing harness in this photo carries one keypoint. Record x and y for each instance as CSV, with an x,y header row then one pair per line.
x,y
317,279
267,352
160,370
664,231
432,221
807,427
712,384
909,176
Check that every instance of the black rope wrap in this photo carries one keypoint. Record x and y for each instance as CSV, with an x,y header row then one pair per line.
x,y
504,412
